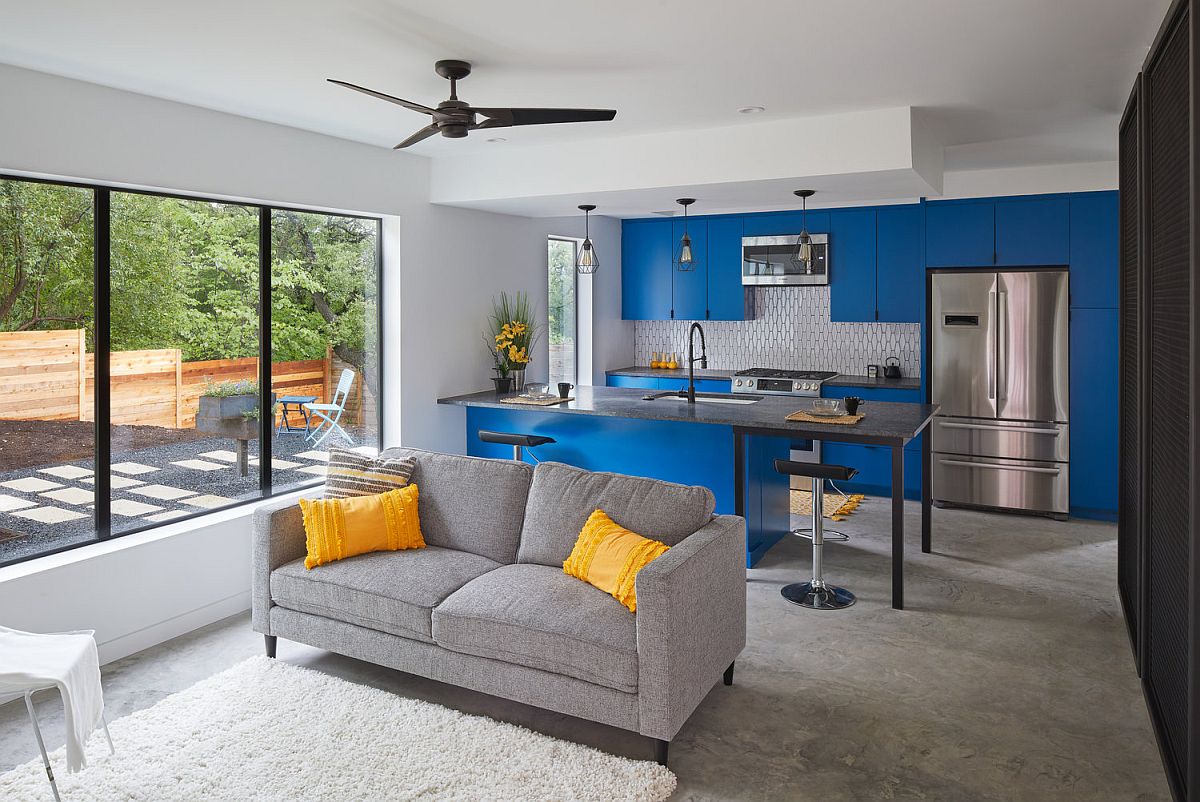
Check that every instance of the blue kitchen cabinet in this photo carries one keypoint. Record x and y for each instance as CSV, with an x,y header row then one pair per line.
x,y
689,288
852,265
646,270
874,464
1095,240
702,385
899,271
1094,413
640,382
726,295
960,234
780,224
1033,231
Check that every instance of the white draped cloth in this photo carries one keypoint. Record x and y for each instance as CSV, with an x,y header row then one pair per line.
x,y
66,660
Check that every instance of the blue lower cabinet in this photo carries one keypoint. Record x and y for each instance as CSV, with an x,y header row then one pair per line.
x,y
869,394
643,382
874,465
1094,413
673,451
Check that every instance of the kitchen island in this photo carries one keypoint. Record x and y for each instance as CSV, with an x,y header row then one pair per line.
x,y
728,447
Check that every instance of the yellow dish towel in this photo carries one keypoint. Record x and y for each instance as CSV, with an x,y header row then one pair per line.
x,y
836,507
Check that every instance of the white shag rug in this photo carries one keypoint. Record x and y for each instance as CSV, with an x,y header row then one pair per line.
x,y
267,730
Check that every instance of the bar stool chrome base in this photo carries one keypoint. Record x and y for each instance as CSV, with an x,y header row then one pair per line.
x,y
818,597
829,534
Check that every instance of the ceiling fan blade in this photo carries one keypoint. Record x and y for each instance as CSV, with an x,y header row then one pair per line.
x,y
408,104
503,118
424,133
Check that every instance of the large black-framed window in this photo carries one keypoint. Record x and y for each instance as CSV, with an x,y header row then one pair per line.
x,y
165,355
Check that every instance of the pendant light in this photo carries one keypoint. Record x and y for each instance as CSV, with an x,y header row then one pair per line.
x,y
685,255
587,262
802,255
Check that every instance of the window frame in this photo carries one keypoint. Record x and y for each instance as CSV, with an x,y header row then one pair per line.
x,y
101,321
575,243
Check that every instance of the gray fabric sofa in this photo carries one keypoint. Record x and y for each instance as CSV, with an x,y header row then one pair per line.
x,y
487,606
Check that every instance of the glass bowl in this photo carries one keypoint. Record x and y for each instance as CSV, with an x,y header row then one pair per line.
x,y
827,406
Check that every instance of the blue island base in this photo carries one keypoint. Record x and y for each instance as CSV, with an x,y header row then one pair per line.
x,y
673,451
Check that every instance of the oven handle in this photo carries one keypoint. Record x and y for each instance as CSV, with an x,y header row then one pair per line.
x,y
996,467
998,428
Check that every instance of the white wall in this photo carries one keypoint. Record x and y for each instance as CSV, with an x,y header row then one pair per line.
x,y
442,265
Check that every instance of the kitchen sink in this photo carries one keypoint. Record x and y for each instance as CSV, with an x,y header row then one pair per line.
x,y
705,398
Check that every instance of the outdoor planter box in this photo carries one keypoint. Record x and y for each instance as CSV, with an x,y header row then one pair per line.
x,y
224,416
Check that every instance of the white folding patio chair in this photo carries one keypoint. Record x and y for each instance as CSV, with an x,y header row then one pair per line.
x,y
328,415
66,661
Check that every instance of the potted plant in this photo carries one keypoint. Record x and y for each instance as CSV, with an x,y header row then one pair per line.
x,y
512,334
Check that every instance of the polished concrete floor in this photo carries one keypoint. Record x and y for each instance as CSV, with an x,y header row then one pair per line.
x,y
1008,676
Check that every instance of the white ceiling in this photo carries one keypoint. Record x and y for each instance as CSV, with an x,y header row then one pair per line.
x,y
1001,83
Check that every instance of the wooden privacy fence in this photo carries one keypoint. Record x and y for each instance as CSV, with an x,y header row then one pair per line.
x,y
48,375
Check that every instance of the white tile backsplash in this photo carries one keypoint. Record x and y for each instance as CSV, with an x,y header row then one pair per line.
x,y
792,331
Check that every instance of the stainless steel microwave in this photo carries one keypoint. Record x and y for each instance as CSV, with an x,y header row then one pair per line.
x,y
767,261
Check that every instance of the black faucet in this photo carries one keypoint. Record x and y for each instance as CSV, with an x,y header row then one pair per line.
x,y
702,359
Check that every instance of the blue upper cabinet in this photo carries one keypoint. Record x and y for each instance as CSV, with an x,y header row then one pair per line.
x,y
900,274
646,269
689,291
960,234
1033,231
1094,244
852,265
726,295
779,224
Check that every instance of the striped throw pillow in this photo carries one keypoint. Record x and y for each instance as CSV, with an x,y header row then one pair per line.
x,y
354,474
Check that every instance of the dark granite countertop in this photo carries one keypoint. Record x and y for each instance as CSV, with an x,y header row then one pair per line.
x,y
885,422
842,379
850,380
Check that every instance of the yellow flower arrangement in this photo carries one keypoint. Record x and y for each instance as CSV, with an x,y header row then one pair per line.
x,y
513,333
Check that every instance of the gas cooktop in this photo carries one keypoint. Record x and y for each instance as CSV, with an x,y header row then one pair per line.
x,y
781,382
774,373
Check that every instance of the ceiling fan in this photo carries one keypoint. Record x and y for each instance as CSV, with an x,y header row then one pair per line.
x,y
454,118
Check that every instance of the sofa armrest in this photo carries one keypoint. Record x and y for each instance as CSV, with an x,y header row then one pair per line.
x,y
691,623
278,539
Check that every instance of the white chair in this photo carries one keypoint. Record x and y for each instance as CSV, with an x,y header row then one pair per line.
x,y
328,415
68,661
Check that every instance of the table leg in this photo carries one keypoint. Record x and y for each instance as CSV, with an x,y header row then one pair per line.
x,y
926,491
898,527
243,460
739,473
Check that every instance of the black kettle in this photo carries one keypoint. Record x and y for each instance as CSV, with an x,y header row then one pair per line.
x,y
891,368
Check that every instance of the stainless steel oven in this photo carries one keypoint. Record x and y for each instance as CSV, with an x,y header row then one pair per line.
x,y
767,261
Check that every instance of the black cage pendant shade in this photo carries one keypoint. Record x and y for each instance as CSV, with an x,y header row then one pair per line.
x,y
587,262
802,255
685,255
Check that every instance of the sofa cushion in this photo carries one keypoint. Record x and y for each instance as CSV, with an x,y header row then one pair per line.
x,y
537,616
562,497
469,503
391,591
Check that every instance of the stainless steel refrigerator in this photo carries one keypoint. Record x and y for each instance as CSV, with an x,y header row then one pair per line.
x,y
999,371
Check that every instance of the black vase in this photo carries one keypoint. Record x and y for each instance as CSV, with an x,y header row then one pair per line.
x,y
504,384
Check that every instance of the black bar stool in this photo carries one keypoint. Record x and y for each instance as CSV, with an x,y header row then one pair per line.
x,y
817,594
517,441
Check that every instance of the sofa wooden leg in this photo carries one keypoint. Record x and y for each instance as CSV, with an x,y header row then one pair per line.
x,y
729,675
270,639
660,751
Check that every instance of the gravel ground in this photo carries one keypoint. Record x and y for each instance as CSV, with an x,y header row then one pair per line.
x,y
21,537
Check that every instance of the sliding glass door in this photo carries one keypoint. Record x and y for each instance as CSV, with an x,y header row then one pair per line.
x,y
151,312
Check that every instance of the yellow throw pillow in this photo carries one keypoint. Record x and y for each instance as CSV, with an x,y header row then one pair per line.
x,y
336,528
609,556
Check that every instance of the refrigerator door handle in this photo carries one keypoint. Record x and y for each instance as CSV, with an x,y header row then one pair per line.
x,y
997,467
1002,345
991,368
999,428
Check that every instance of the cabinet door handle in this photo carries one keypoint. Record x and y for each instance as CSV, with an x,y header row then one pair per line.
x,y
997,467
997,428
